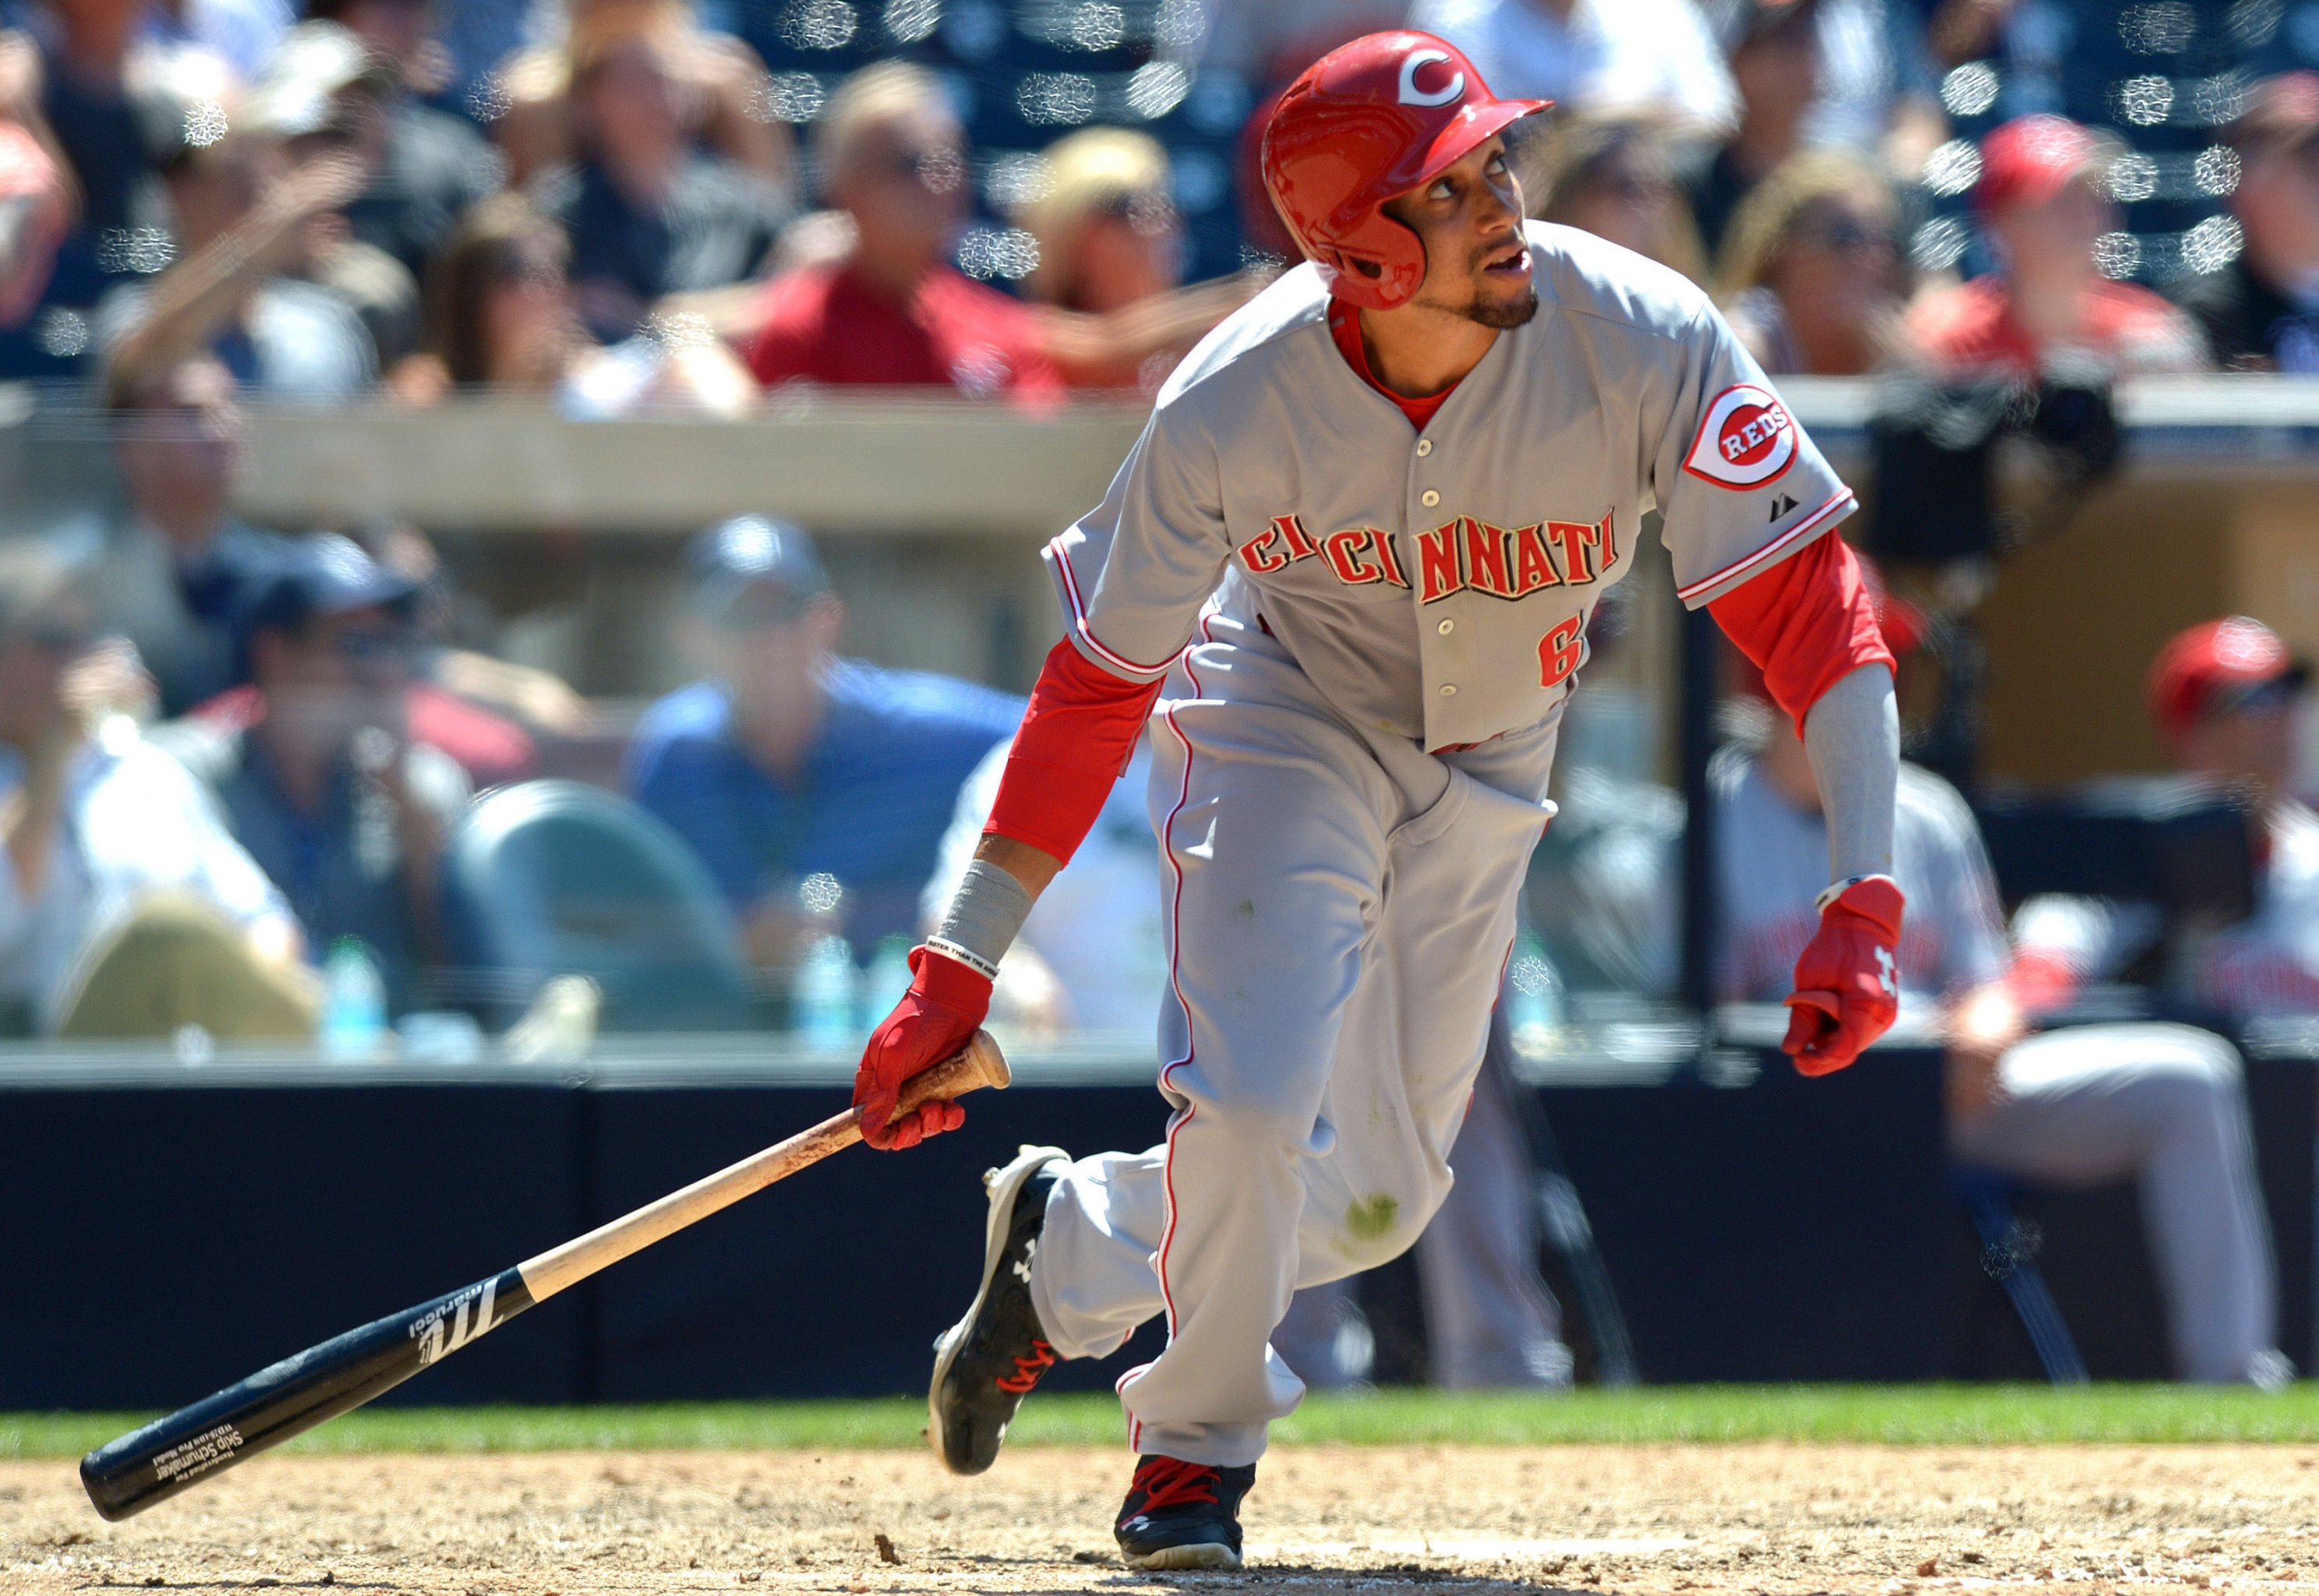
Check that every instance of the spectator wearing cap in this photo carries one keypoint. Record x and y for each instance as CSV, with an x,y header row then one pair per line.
x,y
787,762
1111,263
178,574
2044,204
891,310
125,908
648,214
247,221
1776,64
1810,275
2260,312
326,94
321,783
424,166
1614,177
1652,60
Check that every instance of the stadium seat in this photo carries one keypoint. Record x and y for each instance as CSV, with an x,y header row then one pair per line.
x,y
555,878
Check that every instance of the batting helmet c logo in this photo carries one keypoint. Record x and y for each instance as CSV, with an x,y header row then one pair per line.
x,y
1411,94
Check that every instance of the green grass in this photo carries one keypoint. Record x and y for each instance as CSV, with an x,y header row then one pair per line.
x,y
1904,1415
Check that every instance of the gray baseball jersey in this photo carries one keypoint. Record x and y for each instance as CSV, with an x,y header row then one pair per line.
x,y
1349,767
1436,585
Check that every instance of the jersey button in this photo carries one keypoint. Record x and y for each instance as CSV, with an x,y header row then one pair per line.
x,y
1424,448
1449,689
1429,498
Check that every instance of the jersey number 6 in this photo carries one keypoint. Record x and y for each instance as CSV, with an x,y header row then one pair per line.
x,y
1558,651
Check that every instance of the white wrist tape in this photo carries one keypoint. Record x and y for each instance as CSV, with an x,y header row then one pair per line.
x,y
1830,893
984,916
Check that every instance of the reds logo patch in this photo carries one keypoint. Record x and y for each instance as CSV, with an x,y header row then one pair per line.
x,y
1744,440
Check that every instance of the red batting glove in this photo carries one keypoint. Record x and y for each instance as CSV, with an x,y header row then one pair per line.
x,y
935,1017
1848,979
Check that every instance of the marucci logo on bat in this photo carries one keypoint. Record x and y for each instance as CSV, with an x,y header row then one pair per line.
x,y
468,1316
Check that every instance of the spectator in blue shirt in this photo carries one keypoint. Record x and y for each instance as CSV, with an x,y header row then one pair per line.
x,y
319,778
789,762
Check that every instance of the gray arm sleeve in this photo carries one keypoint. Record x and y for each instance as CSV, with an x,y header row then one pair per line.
x,y
1853,739
985,914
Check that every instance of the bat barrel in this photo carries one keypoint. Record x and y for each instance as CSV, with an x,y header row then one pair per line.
x,y
130,1473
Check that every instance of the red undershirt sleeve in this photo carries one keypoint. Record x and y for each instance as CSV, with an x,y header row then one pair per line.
x,y
1075,738
1806,623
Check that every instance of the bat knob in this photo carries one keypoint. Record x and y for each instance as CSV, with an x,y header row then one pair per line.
x,y
990,1064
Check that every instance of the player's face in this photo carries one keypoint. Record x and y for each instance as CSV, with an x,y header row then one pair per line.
x,y
2057,239
2253,743
1476,260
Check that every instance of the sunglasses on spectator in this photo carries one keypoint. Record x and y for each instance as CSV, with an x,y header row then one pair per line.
x,y
763,604
1845,235
1145,211
373,648
937,166
2264,698
529,271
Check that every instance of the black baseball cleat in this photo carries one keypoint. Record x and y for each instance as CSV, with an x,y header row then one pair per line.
x,y
987,1363
1182,1515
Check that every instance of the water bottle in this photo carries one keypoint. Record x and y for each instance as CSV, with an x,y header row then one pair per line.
x,y
885,981
354,1004
1533,996
825,995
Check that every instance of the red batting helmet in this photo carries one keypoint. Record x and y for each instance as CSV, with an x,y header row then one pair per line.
x,y
1368,121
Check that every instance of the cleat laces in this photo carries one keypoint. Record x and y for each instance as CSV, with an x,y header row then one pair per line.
x,y
1028,1367
1171,1481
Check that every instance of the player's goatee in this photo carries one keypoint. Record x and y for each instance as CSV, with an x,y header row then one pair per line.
x,y
1490,313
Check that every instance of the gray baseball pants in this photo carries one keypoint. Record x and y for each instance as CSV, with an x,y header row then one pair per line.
x,y
2164,1105
1490,1320
1339,909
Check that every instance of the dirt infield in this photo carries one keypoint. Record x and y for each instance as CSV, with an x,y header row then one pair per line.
x,y
1755,1518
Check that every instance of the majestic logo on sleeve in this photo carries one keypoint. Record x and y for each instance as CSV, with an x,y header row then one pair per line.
x,y
1744,440
1411,94
1459,555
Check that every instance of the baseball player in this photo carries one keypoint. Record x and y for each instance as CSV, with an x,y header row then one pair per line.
x,y
1347,570
2223,694
2079,1105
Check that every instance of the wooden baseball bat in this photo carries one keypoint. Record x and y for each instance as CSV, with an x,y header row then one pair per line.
x,y
132,1471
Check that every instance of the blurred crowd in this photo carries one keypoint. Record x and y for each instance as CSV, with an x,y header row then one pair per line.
x,y
629,203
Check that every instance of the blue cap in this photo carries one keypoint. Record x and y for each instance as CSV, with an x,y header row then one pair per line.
x,y
747,549
328,574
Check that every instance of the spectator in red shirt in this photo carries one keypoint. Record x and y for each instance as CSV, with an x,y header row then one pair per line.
x,y
891,310
2045,207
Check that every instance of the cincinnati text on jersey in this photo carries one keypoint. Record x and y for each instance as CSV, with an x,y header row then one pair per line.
x,y
1464,555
